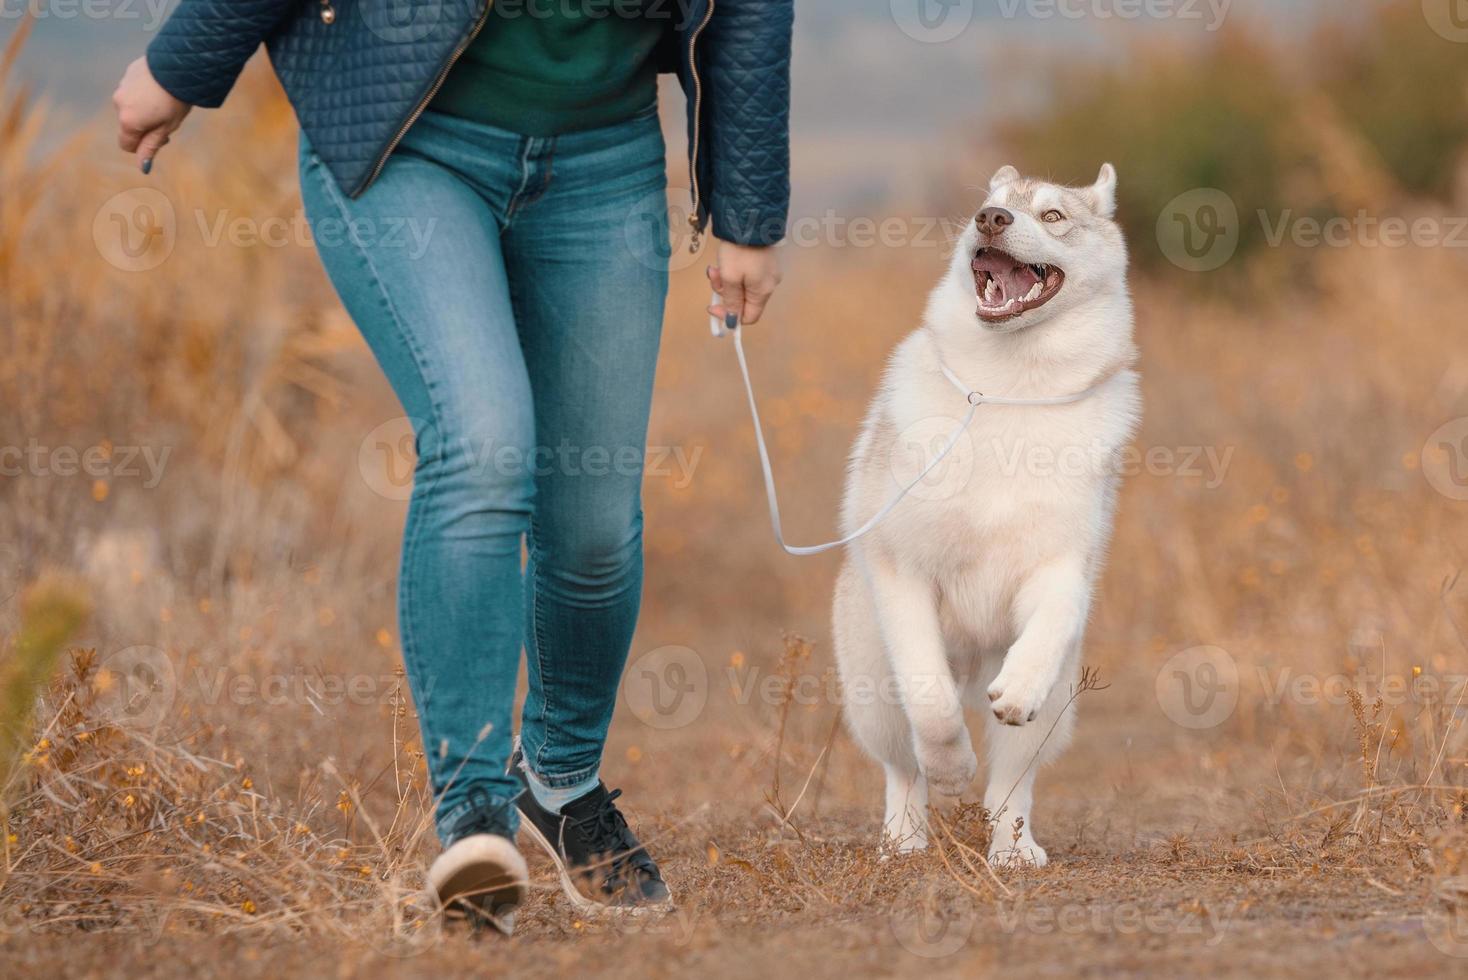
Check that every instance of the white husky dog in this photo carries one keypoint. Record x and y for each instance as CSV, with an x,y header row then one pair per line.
x,y
977,588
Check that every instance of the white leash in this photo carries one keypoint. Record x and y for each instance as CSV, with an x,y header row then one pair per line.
x,y
974,399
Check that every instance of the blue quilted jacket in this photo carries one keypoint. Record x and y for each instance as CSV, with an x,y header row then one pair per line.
x,y
359,73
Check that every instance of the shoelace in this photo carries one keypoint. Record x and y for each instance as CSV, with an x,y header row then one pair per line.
x,y
485,816
607,833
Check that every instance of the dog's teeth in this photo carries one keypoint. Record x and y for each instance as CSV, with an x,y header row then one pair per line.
x,y
1033,294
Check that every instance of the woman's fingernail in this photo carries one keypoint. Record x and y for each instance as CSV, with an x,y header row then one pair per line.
x,y
731,320
147,166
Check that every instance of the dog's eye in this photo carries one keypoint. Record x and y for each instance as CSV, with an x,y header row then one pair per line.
x,y
1052,216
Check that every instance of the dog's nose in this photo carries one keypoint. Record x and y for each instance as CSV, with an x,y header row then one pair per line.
x,y
993,221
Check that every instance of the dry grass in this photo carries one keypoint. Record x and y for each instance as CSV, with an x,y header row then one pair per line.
x,y
262,817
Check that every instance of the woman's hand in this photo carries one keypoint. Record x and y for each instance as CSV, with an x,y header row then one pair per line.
x,y
745,279
146,113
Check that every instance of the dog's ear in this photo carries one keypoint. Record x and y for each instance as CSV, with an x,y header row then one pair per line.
x,y
1103,192
1004,176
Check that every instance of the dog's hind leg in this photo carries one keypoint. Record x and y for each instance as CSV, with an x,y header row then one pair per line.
x,y
874,712
906,612
905,822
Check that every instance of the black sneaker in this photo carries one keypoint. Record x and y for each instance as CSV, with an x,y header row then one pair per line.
x,y
481,876
604,868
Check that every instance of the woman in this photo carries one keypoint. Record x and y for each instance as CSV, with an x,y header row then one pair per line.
x,y
522,342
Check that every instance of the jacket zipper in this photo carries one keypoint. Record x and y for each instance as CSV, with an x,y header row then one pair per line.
x,y
438,81
693,223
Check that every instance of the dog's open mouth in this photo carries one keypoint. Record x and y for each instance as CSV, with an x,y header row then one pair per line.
x,y
1008,287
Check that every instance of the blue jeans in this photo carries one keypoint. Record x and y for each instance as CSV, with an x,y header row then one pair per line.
x,y
512,289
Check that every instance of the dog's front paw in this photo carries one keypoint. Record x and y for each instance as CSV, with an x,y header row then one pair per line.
x,y
1017,699
949,766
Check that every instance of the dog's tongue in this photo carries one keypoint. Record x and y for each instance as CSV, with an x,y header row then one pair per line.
x,y
1014,278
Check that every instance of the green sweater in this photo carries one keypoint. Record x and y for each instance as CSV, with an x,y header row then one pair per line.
x,y
546,67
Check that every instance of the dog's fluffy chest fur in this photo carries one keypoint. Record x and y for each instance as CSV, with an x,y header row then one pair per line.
x,y
1022,486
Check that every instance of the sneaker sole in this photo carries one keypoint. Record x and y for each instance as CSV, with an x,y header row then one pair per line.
x,y
568,886
483,871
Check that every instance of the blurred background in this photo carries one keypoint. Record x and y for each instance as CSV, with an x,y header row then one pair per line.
x,y
199,446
